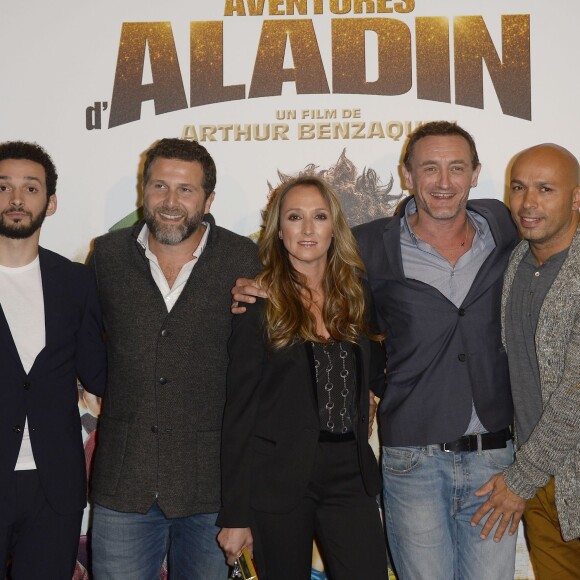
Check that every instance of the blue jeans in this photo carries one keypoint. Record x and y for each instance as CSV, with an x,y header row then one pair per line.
x,y
429,502
132,546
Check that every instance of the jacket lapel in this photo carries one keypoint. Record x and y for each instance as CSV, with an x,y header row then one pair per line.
x,y
508,280
560,302
312,373
492,268
6,338
52,301
392,243
6,335
360,350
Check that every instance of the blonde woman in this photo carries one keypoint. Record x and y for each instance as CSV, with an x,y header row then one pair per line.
x,y
296,463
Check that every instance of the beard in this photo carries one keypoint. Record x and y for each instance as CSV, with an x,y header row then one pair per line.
x,y
19,231
171,234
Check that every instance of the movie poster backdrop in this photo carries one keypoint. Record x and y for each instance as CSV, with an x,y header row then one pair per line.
x,y
273,88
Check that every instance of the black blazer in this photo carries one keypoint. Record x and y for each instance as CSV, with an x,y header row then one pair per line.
x,y
271,422
48,394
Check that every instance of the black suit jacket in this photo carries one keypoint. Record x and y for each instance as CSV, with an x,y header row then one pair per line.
x,y
271,421
48,394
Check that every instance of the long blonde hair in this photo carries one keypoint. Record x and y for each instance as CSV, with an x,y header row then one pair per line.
x,y
287,317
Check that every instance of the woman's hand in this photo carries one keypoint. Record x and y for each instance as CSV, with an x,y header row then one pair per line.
x,y
232,540
372,411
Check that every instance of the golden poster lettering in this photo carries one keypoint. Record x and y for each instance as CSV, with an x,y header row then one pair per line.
x,y
349,51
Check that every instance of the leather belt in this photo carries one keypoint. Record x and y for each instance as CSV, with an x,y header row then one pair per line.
x,y
495,440
328,437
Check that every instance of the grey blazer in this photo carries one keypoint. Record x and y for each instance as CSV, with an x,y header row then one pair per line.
x,y
554,445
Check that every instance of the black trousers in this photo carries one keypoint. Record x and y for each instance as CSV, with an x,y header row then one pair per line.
x,y
40,542
338,512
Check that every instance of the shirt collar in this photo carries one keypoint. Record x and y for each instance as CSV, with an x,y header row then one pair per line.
x,y
143,240
411,208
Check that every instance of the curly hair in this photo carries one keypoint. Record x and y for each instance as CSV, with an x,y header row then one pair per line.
x,y
287,316
31,152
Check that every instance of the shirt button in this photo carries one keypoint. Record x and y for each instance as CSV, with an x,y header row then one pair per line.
x,y
154,429
462,357
162,381
462,312
536,274
165,332
26,386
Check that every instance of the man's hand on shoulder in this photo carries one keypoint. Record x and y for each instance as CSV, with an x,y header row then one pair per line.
x,y
502,504
246,290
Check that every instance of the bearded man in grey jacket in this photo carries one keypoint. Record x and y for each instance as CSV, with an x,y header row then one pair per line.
x,y
164,289
541,331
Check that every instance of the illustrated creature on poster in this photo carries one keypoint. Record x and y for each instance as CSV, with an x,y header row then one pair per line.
x,y
363,197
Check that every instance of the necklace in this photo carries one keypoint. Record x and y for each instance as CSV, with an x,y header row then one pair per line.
x,y
461,245
466,232
334,397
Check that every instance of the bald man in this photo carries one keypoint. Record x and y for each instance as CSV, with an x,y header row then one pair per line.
x,y
541,328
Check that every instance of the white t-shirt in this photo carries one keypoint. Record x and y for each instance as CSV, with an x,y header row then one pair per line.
x,y
22,301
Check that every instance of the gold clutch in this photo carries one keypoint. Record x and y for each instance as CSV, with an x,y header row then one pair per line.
x,y
244,567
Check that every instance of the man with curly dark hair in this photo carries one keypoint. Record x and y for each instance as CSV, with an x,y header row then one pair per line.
x,y
50,329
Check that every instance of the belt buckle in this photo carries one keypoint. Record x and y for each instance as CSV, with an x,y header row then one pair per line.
x,y
444,448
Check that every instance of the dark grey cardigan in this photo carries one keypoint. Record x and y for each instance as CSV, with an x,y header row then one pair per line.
x,y
159,431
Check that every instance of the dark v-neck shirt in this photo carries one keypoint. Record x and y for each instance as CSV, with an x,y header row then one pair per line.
x,y
530,286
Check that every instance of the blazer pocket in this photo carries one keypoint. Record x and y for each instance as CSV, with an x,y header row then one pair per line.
x,y
110,454
280,475
264,445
